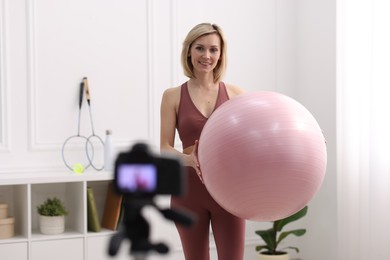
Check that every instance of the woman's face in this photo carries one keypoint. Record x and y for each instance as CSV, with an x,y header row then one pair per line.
x,y
205,53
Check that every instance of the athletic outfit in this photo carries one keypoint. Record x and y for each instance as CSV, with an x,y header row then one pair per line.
x,y
228,230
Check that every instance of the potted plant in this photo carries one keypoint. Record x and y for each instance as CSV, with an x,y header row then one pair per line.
x,y
273,236
52,214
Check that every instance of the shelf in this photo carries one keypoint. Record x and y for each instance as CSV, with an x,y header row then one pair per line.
x,y
103,232
52,177
16,198
37,236
14,239
24,192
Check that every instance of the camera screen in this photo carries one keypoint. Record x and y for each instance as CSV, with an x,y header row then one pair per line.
x,y
137,177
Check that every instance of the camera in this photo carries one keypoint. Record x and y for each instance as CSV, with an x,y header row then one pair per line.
x,y
139,173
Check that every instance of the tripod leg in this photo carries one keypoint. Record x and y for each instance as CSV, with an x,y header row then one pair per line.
x,y
115,243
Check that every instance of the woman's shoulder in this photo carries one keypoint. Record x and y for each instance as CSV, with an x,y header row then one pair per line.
x,y
172,94
233,90
172,90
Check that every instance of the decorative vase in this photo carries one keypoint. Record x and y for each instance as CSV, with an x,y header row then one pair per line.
x,y
51,225
273,257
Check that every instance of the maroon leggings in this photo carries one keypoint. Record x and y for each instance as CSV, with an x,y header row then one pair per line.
x,y
228,230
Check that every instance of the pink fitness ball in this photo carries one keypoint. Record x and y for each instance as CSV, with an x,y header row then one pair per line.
x,y
262,155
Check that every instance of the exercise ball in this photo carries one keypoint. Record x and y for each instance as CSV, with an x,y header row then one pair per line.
x,y
262,156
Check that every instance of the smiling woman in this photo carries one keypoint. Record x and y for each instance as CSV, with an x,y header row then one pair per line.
x,y
187,108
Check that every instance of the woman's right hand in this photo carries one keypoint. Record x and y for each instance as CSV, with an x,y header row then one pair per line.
x,y
194,162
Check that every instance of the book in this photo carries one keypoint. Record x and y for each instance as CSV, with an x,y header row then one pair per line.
x,y
93,217
112,208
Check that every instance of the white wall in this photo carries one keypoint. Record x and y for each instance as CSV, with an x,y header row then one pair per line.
x,y
316,89
130,52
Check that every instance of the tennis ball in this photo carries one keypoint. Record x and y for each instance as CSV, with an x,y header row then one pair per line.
x,y
78,168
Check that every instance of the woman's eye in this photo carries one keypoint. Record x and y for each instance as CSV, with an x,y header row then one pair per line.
x,y
199,48
214,50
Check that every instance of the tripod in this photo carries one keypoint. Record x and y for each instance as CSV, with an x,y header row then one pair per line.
x,y
137,229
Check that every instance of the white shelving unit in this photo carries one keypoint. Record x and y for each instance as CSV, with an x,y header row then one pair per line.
x,y
23,192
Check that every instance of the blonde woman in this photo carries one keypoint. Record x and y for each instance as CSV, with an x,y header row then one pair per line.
x,y
187,109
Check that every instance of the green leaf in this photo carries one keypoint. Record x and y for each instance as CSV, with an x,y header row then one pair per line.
x,y
269,237
279,224
260,248
292,248
296,232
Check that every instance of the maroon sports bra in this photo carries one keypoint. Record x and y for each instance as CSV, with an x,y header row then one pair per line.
x,y
190,121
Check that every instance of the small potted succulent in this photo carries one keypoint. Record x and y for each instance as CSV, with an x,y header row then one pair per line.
x,y
52,214
273,236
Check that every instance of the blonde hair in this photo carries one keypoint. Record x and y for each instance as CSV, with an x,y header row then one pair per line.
x,y
196,32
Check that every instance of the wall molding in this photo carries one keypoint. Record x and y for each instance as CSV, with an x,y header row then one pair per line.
x,y
174,39
33,144
31,80
4,124
36,145
150,70
174,51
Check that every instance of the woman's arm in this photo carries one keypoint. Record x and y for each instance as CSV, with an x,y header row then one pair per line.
x,y
169,108
168,120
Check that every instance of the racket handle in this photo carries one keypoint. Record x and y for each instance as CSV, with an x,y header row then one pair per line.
x,y
81,94
85,81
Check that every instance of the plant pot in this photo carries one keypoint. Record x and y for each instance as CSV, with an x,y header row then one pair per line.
x,y
51,225
273,257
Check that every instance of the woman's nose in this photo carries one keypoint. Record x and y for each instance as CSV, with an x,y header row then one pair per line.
x,y
206,54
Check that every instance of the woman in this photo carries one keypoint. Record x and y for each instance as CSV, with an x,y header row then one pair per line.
x,y
187,108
